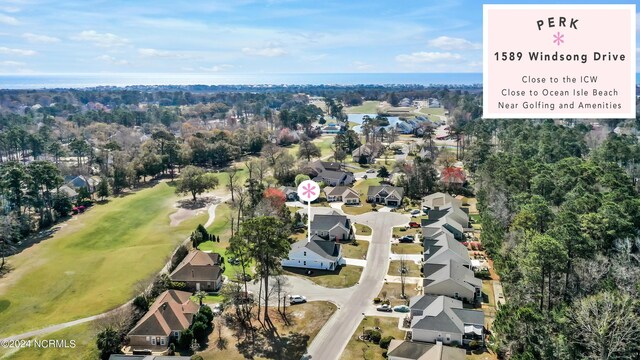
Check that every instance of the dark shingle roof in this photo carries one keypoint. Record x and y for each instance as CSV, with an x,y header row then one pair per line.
x,y
441,322
411,350
470,316
326,222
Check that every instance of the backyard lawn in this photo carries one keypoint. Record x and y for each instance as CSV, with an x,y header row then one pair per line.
x,y
363,230
356,249
345,276
412,268
361,186
358,349
93,263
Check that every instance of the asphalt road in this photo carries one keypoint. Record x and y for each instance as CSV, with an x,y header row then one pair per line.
x,y
335,334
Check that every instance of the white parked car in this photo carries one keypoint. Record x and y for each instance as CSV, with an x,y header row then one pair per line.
x,y
297,299
371,171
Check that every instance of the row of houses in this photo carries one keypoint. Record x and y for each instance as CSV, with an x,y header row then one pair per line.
x,y
173,310
438,317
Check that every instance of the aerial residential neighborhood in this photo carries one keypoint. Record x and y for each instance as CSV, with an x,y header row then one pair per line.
x,y
298,180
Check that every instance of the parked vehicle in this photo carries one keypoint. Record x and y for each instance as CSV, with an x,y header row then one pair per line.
x,y
371,171
415,212
402,309
406,239
217,309
384,308
297,299
414,224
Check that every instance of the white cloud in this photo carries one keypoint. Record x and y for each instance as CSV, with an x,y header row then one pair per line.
x,y
11,63
451,43
35,38
216,68
10,9
265,51
112,60
100,39
428,57
148,52
10,51
8,20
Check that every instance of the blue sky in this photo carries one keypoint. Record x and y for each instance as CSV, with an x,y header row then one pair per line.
x,y
241,36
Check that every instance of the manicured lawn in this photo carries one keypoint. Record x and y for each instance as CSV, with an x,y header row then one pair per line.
x,y
413,248
357,349
400,231
412,268
93,263
305,319
362,230
345,276
433,111
85,346
209,299
356,249
394,293
367,107
361,186
364,207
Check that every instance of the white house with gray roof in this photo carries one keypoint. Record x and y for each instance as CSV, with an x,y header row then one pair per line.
x,y
442,247
315,254
332,227
443,319
451,278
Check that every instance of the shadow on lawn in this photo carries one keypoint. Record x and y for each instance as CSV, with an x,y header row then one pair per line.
x,y
314,272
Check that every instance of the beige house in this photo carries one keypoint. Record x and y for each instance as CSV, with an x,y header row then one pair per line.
x,y
199,271
342,193
171,313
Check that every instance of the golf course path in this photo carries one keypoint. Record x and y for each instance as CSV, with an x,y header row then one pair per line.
x,y
53,328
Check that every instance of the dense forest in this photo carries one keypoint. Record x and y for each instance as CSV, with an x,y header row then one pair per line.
x,y
561,222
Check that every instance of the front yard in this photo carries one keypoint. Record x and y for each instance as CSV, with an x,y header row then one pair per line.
x,y
306,319
413,270
358,349
345,276
407,248
362,230
393,293
355,250
400,231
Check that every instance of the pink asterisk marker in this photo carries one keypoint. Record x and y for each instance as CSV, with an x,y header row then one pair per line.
x,y
308,190
558,38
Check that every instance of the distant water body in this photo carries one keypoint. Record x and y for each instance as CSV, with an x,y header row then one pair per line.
x,y
93,80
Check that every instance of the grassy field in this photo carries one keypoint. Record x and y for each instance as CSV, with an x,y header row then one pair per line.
x,y
361,186
432,111
412,268
85,346
357,349
222,227
394,293
367,107
355,250
324,144
363,230
93,263
306,319
345,276
414,248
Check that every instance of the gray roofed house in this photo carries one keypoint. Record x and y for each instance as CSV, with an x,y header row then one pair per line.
x,y
366,153
332,227
87,182
385,194
438,219
440,201
315,254
442,246
414,350
441,318
67,190
314,168
335,178
290,193
451,278
342,193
